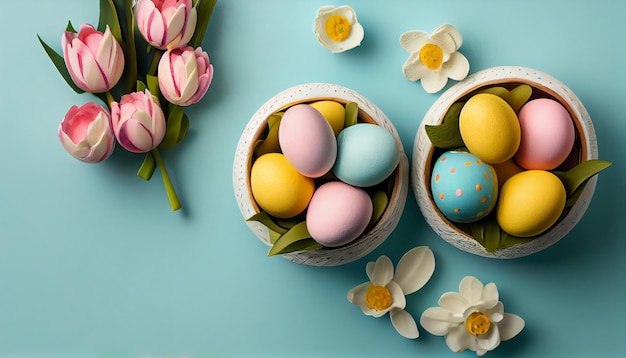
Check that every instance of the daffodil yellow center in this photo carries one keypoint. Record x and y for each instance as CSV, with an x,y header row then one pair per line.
x,y
378,297
431,56
337,28
477,323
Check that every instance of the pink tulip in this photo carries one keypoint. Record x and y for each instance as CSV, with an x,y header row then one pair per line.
x,y
94,59
86,133
184,75
138,122
166,24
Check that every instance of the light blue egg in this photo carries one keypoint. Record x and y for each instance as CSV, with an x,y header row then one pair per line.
x,y
464,188
366,155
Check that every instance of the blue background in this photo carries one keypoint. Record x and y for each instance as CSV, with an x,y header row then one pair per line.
x,y
94,263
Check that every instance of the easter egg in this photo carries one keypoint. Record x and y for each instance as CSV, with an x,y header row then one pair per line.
x,y
505,170
307,140
338,213
334,112
463,187
278,188
530,203
547,132
366,155
489,128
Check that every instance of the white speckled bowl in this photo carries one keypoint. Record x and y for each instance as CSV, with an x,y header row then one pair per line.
x,y
368,112
423,152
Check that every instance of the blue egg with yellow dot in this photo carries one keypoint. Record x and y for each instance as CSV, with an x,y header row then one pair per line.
x,y
464,188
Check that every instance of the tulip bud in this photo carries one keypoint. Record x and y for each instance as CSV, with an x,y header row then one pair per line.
x,y
95,60
86,133
166,24
184,75
138,122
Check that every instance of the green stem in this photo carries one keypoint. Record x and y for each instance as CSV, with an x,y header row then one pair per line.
x,y
110,98
169,188
156,57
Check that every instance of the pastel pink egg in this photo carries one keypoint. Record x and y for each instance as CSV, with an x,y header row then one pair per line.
x,y
547,134
338,213
307,140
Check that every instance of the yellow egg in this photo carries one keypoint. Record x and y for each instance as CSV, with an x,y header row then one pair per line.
x,y
530,202
489,128
334,112
278,188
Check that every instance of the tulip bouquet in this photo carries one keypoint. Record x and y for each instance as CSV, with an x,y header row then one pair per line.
x,y
142,103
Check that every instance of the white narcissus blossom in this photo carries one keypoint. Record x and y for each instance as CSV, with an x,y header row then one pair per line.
x,y
434,58
472,319
386,292
337,28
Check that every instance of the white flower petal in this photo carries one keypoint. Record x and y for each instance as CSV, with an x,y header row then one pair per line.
x,y
490,292
458,339
404,323
412,41
434,81
415,269
490,340
438,321
471,288
444,41
414,69
356,295
452,32
454,302
510,326
369,269
383,271
397,296
457,67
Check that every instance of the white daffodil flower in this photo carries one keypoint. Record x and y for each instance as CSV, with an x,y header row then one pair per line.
x,y
434,58
472,319
386,292
337,28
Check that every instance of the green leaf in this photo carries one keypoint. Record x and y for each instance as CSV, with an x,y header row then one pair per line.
x,y
141,87
270,143
352,114
174,126
492,234
447,134
70,28
263,218
108,16
152,83
126,18
574,177
478,232
302,245
147,167
204,9
572,198
518,96
297,233
59,63
380,202
507,240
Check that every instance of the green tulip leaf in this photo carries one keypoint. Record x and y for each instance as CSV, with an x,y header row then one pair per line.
x,y
507,240
174,125
572,198
380,202
204,9
478,232
126,17
576,176
352,114
59,63
108,16
153,85
270,143
287,241
141,87
301,245
70,27
447,134
147,167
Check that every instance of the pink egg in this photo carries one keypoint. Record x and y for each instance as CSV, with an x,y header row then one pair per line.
x,y
338,213
547,132
307,140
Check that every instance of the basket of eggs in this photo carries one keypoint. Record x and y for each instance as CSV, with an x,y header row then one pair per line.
x,y
504,162
320,175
